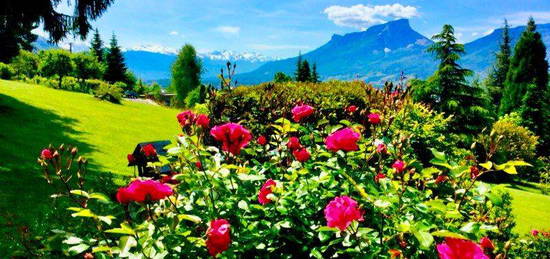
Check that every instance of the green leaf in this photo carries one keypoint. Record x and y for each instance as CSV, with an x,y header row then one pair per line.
x,y
487,165
72,240
470,227
87,213
251,177
325,228
243,205
80,193
100,196
74,250
447,233
98,249
382,204
427,172
438,155
518,163
192,218
124,229
510,170
426,239
106,219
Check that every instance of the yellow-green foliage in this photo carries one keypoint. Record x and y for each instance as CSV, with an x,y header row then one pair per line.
x,y
108,92
511,140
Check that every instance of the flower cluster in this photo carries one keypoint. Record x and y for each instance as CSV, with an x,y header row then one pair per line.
x,y
233,136
143,191
344,139
188,118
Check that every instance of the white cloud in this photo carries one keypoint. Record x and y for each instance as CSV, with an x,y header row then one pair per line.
x,y
229,30
174,33
474,33
277,47
521,18
154,48
387,50
361,16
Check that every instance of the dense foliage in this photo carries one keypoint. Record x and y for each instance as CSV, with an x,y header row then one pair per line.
x,y
186,72
321,179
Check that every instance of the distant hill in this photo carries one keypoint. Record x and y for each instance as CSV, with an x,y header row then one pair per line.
x,y
382,52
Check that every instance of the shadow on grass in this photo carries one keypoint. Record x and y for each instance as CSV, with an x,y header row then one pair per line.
x,y
525,186
25,203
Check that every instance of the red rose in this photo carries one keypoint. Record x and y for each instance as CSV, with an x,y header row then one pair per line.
x,y
186,118
149,150
374,118
293,143
351,109
301,154
455,248
381,148
88,256
534,232
131,158
474,171
142,191
198,164
341,211
399,166
344,139
218,236
262,140
486,243
169,179
233,136
203,121
379,176
265,190
441,179
46,154
300,112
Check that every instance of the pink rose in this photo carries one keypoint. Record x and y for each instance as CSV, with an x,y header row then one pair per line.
x,y
344,139
381,148
534,232
233,136
455,248
374,118
301,154
351,109
46,154
379,176
142,191
218,236
186,118
341,211
265,190
399,166
300,112
203,121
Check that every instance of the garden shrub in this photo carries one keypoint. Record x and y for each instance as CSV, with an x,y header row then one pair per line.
x,y
25,64
6,71
334,180
94,83
108,92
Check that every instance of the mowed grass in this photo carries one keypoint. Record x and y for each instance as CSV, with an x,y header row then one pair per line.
x,y
32,117
530,207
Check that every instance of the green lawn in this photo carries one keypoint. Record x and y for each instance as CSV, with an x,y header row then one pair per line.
x,y
32,117
530,207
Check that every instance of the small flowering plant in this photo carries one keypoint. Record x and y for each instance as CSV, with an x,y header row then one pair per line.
x,y
299,190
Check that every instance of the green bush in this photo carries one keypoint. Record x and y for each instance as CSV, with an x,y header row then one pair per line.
x,y
197,95
108,92
6,71
25,64
71,83
93,83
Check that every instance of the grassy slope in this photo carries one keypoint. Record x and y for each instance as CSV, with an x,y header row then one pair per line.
x,y
530,207
32,117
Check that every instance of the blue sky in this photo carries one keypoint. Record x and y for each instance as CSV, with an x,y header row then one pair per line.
x,y
282,28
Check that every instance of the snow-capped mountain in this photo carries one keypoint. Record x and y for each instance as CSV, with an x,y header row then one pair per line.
x,y
226,55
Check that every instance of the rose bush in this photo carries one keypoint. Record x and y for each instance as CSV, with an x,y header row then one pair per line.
x,y
318,188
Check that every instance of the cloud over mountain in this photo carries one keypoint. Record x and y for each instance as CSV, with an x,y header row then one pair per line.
x,y
362,16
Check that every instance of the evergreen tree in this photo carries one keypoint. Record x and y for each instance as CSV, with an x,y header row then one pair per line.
x,y
454,95
498,75
304,74
527,66
116,69
298,66
186,72
281,77
97,46
314,76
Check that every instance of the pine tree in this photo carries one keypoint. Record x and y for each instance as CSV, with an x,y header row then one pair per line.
x,y
298,66
97,46
186,72
454,95
304,74
314,76
498,75
116,69
527,66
